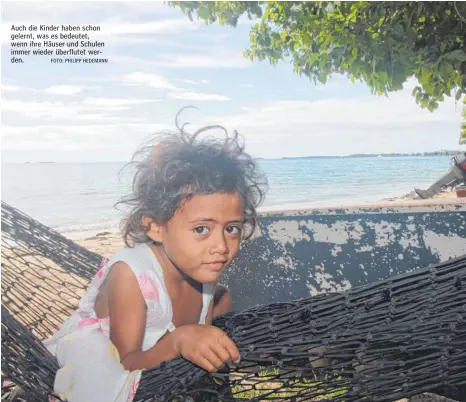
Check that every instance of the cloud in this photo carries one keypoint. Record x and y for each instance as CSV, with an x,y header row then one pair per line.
x,y
64,90
271,129
342,126
115,102
73,138
69,143
328,85
45,11
411,83
158,82
51,12
219,59
199,60
197,96
121,32
244,20
366,111
193,82
47,109
10,88
121,27
100,110
151,80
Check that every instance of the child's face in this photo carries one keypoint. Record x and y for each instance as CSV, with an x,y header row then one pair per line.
x,y
203,236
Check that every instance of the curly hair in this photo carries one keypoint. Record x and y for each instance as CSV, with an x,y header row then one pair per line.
x,y
173,167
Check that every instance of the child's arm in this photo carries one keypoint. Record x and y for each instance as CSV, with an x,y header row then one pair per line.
x,y
222,301
205,345
220,304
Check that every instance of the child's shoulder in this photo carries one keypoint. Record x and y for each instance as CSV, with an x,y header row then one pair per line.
x,y
138,257
142,261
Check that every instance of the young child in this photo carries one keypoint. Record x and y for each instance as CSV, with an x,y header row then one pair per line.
x,y
194,200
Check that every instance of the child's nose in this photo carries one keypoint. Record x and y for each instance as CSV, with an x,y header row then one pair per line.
x,y
220,245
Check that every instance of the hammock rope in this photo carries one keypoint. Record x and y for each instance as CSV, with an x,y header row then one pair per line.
x,y
398,338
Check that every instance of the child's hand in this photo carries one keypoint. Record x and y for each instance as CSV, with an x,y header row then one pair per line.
x,y
206,346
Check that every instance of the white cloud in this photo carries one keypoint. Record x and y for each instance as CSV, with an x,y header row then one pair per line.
x,y
51,12
67,137
328,85
64,90
199,60
342,126
244,20
122,27
119,31
400,108
219,59
158,82
45,11
197,96
115,102
271,129
100,110
151,80
10,88
50,110
193,82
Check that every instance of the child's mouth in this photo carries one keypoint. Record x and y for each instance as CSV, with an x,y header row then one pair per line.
x,y
216,265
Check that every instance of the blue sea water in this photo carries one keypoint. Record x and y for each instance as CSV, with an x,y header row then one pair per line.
x,y
81,196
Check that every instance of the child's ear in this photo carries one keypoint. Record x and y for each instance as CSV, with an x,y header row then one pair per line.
x,y
153,229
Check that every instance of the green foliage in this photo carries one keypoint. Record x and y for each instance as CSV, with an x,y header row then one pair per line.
x,y
380,43
225,12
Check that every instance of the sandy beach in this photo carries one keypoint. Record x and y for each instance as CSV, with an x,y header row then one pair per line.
x,y
410,196
106,243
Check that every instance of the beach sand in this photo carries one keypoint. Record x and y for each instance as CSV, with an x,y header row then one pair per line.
x,y
411,196
106,243
103,243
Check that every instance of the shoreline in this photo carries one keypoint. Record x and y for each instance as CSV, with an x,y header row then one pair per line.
x,y
107,240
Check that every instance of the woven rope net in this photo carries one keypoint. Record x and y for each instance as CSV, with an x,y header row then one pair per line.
x,y
399,338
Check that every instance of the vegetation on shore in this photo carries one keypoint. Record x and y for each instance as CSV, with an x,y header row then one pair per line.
x,y
388,155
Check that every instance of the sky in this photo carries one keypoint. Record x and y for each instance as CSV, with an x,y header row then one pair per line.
x,y
159,61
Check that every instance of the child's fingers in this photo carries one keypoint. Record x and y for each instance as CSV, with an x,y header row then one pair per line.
x,y
222,353
206,365
230,346
212,358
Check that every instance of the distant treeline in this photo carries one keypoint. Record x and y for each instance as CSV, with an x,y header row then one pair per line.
x,y
435,153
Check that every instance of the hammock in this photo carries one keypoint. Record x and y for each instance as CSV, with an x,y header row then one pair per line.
x,y
393,339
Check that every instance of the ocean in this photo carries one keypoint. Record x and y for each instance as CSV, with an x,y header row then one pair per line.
x,y
80,197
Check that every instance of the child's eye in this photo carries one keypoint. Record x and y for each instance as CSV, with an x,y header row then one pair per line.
x,y
201,230
234,229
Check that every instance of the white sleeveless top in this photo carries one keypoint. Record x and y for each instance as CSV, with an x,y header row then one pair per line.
x,y
90,365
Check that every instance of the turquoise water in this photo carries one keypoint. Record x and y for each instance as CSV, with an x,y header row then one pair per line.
x,y
79,196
